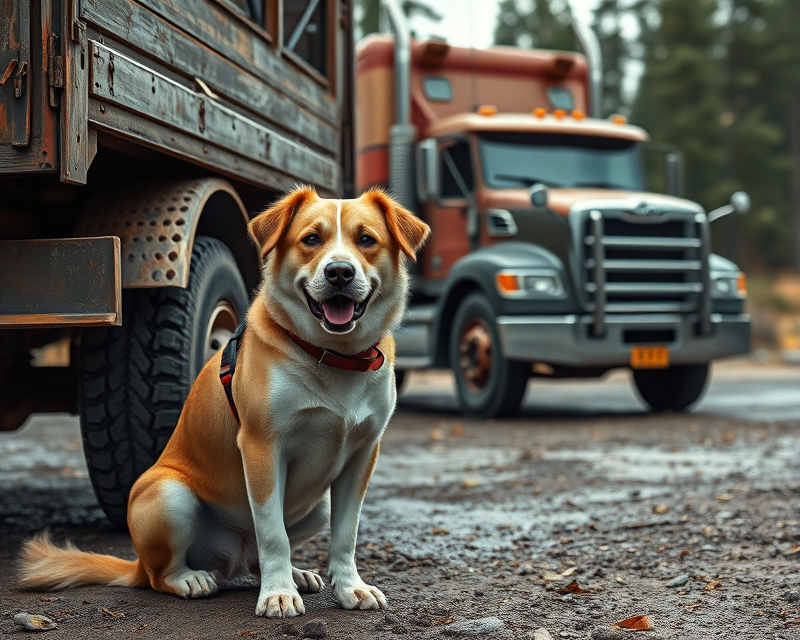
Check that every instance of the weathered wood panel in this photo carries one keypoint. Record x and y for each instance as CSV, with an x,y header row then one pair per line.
x,y
74,104
118,121
121,80
146,32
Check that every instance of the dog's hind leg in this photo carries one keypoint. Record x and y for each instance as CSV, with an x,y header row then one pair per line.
x,y
304,529
163,517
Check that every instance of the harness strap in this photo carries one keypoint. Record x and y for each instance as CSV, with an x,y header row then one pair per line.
x,y
228,366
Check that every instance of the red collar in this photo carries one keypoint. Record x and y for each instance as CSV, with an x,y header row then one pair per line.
x,y
370,360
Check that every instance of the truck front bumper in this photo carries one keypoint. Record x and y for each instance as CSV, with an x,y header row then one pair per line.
x,y
566,340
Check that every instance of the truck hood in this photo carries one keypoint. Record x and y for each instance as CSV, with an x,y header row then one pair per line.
x,y
562,200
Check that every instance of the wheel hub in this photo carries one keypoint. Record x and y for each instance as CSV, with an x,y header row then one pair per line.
x,y
221,326
475,350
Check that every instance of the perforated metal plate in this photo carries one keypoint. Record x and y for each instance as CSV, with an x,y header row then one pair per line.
x,y
156,223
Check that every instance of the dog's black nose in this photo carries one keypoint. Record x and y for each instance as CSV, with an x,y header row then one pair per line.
x,y
339,274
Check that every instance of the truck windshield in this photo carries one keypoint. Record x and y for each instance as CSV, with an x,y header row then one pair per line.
x,y
520,160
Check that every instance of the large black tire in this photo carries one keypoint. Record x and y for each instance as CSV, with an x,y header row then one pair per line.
x,y
488,384
135,378
672,389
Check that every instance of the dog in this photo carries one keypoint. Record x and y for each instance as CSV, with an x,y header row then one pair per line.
x,y
257,467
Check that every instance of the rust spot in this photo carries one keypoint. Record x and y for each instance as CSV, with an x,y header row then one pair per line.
x,y
9,70
111,73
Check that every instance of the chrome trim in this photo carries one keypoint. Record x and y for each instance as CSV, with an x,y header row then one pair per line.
x,y
649,243
656,288
705,273
651,265
594,56
598,252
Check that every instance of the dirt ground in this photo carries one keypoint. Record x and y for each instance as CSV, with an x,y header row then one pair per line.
x,y
467,520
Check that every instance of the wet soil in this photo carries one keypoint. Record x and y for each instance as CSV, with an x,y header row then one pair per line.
x,y
467,520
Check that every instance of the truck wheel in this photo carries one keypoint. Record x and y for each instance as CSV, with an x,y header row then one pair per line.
x,y
135,378
399,380
489,385
672,389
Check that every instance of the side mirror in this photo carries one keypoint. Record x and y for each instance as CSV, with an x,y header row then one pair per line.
x,y
740,201
538,195
428,170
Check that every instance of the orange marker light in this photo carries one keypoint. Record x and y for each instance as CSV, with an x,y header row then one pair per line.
x,y
487,110
507,283
559,114
539,112
741,284
618,119
579,115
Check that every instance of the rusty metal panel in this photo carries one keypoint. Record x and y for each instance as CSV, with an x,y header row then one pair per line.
x,y
275,91
75,104
156,223
118,79
46,283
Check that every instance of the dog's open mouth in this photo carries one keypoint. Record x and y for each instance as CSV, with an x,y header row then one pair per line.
x,y
338,313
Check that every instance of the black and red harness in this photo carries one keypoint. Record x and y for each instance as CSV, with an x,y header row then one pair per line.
x,y
370,360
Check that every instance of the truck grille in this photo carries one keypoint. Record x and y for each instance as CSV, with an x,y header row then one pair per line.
x,y
647,265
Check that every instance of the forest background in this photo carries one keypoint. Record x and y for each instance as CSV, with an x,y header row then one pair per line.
x,y
718,78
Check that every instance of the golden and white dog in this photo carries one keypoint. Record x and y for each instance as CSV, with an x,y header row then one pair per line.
x,y
224,500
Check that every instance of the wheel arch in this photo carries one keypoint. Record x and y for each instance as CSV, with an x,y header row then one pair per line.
x,y
157,223
456,292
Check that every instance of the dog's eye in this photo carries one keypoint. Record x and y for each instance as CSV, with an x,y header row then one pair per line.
x,y
311,240
366,241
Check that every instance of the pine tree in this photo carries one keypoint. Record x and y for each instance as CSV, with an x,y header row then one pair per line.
x,y
615,48
369,14
543,24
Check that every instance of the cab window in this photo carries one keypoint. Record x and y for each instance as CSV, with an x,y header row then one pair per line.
x,y
455,167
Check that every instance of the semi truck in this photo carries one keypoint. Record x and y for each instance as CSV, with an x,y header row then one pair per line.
x,y
549,255
137,137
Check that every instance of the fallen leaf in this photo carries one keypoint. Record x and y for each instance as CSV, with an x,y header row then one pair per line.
x,y
660,509
795,549
569,572
542,634
457,430
572,587
441,621
708,531
440,532
724,496
112,614
551,576
713,585
62,613
436,435
468,483
247,633
685,552
637,623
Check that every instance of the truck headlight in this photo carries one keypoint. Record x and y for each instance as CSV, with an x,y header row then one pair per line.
x,y
728,285
529,283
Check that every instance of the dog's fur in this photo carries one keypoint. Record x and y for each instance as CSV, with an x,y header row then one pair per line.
x,y
224,501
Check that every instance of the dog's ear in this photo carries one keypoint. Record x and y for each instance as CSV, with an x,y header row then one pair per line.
x,y
267,227
409,231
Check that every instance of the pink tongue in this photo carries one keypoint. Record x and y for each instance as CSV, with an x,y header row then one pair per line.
x,y
338,310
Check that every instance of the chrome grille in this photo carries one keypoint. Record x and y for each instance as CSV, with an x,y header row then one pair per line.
x,y
642,265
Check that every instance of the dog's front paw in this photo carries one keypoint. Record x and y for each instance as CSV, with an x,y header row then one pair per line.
x,y
360,596
306,581
276,604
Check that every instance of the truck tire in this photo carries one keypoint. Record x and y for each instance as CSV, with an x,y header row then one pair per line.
x,y
489,385
672,389
134,379
399,380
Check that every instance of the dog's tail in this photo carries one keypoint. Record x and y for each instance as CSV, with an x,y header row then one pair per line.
x,y
44,565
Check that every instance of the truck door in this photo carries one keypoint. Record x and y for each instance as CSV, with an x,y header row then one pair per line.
x,y
448,214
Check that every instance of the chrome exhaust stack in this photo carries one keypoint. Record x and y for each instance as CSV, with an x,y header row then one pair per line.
x,y
402,133
594,56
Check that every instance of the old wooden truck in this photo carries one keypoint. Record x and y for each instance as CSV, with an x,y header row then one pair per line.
x,y
549,255
136,139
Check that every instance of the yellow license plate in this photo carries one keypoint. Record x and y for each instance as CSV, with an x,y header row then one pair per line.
x,y
649,358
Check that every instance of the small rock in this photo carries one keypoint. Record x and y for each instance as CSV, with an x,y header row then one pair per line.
x,y
479,627
478,593
31,622
774,552
709,548
315,629
744,579
792,596
567,597
541,634
389,619
679,581
604,633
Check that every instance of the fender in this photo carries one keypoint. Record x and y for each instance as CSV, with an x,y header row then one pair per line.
x,y
476,272
157,223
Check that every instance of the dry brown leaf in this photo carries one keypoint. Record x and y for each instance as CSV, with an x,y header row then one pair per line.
x,y
660,509
637,623
708,531
724,497
572,587
795,549
551,576
685,552
569,572
247,633
713,585
457,430
468,483
113,614
440,532
441,621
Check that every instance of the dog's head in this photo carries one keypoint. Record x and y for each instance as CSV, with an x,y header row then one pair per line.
x,y
334,270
